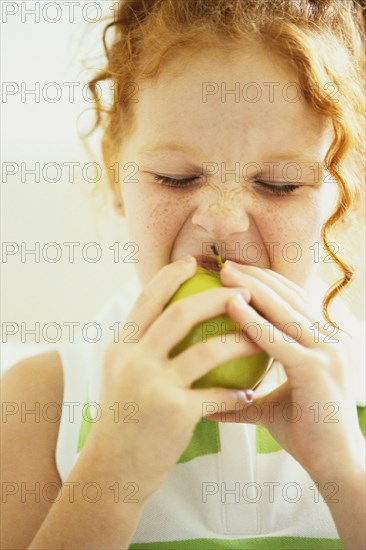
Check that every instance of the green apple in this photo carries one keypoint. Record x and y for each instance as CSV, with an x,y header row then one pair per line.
x,y
240,373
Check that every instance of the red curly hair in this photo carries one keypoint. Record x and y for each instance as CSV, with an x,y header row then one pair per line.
x,y
322,40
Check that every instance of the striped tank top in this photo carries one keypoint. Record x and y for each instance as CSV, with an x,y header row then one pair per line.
x,y
233,488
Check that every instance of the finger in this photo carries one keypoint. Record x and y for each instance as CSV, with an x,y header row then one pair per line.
x,y
257,280
317,323
250,412
324,327
261,411
266,275
290,353
283,287
265,406
237,416
279,312
200,358
158,292
183,315
216,400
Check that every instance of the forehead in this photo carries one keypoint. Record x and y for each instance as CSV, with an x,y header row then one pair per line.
x,y
231,104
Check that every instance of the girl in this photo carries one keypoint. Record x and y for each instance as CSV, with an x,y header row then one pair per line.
x,y
237,123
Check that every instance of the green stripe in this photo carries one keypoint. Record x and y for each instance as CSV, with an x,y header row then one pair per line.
x,y
86,424
263,543
361,411
265,442
205,440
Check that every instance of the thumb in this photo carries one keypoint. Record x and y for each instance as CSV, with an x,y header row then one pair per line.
x,y
247,413
217,401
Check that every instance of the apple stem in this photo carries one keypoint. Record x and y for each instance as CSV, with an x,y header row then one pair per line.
x,y
217,255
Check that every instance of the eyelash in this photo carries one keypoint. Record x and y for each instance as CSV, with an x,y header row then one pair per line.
x,y
279,190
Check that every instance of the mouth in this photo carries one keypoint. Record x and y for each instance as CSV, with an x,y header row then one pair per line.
x,y
211,263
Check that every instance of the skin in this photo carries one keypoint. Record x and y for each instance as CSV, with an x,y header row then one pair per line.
x,y
168,223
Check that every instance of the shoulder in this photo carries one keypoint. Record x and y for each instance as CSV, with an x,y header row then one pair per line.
x,y
31,395
38,377
29,390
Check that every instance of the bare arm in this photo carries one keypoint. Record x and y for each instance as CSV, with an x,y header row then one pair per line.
x,y
33,515
130,456
99,511
28,442
348,507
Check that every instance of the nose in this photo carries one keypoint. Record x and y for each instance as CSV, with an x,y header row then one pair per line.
x,y
221,212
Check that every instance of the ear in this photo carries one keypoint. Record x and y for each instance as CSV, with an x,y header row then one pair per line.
x,y
118,203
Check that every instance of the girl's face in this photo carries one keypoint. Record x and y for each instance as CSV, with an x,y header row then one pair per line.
x,y
230,121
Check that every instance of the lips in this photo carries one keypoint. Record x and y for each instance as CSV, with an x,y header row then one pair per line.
x,y
211,263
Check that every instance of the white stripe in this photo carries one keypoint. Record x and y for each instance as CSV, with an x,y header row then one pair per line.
x,y
72,358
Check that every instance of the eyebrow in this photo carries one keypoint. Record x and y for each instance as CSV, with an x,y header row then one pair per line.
x,y
168,148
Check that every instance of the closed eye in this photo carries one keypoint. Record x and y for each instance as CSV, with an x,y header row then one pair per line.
x,y
279,190
182,183
173,182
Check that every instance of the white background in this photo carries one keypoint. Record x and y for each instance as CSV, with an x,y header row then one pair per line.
x,y
43,131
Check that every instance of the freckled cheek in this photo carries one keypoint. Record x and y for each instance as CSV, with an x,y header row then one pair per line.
x,y
154,222
290,234
165,218
274,220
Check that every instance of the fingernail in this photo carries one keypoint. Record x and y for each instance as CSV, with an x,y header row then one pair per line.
x,y
239,299
245,293
247,395
187,259
232,266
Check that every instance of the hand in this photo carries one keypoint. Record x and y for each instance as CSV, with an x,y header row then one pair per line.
x,y
166,408
324,435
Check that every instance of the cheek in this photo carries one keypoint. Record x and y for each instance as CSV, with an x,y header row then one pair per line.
x,y
289,220
164,217
154,219
291,231
156,209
